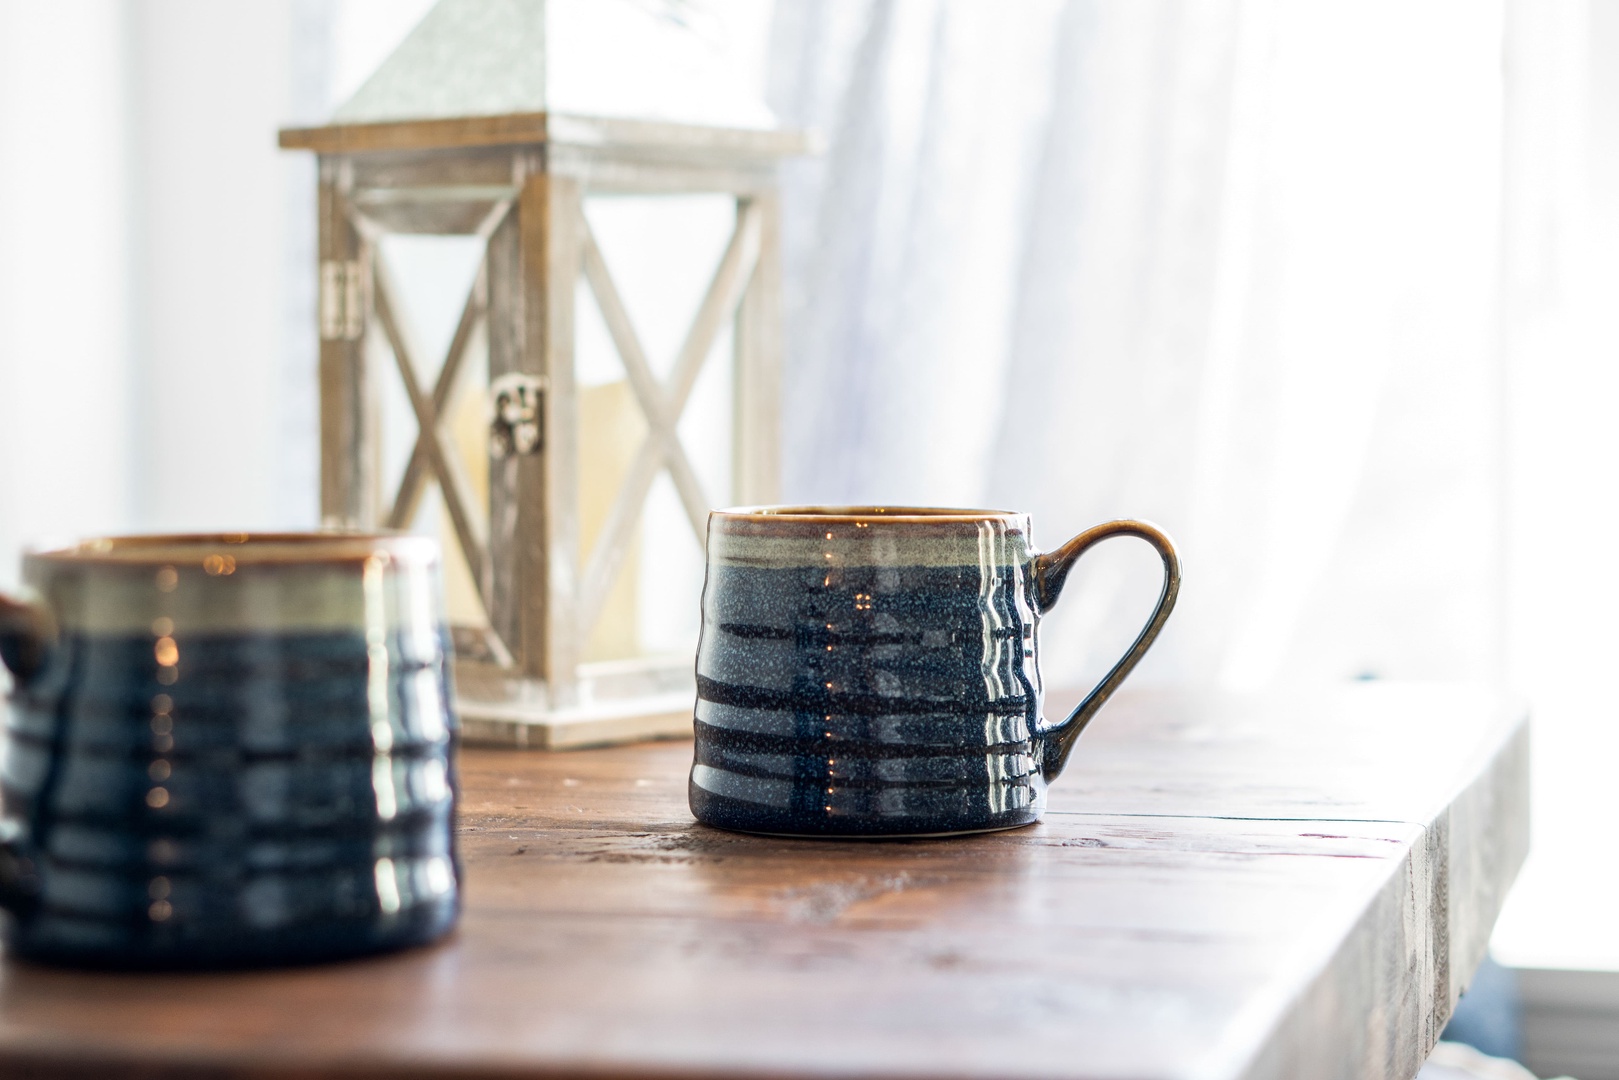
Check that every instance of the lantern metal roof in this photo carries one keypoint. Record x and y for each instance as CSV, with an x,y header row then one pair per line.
x,y
499,72
679,61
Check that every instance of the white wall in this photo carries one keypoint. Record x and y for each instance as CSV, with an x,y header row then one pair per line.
x,y
65,253
211,84
157,350
143,239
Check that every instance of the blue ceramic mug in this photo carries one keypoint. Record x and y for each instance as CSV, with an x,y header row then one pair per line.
x,y
227,750
874,671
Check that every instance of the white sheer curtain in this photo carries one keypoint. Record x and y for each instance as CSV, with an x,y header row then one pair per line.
x,y
1229,266
1561,323
1325,289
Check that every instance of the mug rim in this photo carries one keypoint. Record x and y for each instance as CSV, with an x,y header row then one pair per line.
x,y
244,548
908,514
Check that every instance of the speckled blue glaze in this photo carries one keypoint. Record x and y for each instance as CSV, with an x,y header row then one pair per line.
x,y
867,677
236,768
875,672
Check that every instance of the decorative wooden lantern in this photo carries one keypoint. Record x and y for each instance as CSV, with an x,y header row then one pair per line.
x,y
459,134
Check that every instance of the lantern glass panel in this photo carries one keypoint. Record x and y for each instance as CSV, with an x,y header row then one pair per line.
x,y
662,250
611,429
669,612
706,426
396,423
661,254
431,277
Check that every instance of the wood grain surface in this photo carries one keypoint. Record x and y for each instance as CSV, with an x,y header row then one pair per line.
x,y
1293,886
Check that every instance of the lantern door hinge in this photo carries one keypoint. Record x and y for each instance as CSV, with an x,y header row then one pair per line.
x,y
342,300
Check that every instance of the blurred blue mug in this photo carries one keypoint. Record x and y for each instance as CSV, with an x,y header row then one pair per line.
x,y
227,750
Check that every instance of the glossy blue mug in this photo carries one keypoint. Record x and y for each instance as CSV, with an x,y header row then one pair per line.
x,y
227,750
874,671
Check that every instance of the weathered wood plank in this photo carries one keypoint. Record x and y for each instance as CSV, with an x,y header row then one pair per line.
x,y
551,264
408,171
511,129
599,133
756,423
516,483
348,420
1131,934
629,175
1401,751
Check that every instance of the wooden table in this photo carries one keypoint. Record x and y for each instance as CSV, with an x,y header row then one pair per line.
x,y
1294,886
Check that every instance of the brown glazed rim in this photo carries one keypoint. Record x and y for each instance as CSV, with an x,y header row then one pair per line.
x,y
763,514
244,548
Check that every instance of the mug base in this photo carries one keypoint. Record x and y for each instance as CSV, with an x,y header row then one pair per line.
x,y
945,835
736,815
59,943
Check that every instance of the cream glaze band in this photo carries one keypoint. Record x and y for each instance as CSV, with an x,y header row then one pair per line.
x,y
266,549
287,583
802,537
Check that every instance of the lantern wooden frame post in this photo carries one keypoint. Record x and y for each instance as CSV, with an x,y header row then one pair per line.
x,y
347,450
519,182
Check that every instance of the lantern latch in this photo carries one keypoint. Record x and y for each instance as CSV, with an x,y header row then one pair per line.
x,y
518,418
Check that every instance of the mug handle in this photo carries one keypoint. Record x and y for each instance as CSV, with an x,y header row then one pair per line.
x,y
19,874
27,635
1050,571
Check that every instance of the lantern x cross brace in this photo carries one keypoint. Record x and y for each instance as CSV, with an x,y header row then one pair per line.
x,y
431,452
662,404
